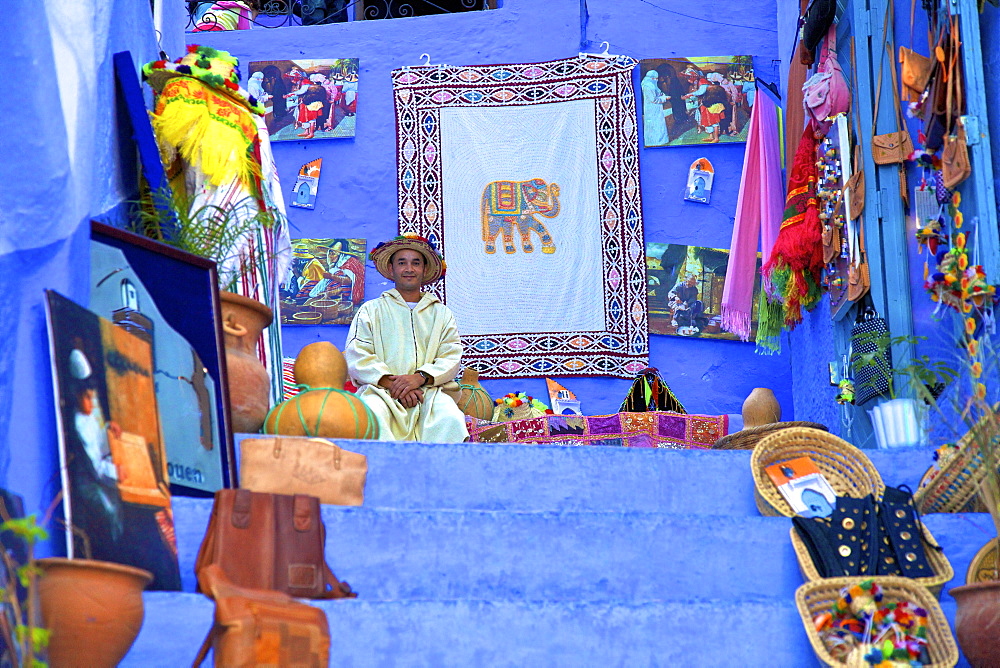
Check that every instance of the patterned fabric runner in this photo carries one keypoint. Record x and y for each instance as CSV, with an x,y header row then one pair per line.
x,y
630,430
526,177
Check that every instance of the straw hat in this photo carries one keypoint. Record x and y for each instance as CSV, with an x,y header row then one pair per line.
x,y
434,266
213,67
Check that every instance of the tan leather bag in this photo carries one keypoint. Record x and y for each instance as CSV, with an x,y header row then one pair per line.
x,y
915,72
855,185
253,627
891,147
955,165
270,541
300,465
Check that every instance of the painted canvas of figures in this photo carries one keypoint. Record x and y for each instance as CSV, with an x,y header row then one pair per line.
x,y
327,283
113,460
684,287
306,99
689,101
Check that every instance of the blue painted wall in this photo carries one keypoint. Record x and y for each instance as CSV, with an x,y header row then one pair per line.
x,y
61,163
357,192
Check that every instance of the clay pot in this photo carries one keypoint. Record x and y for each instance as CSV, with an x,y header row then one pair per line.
x,y
307,318
93,609
327,410
977,622
761,407
475,401
243,320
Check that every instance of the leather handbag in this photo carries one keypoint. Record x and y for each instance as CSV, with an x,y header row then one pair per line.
x,y
856,184
891,147
300,465
915,72
270,541
955,165
253,627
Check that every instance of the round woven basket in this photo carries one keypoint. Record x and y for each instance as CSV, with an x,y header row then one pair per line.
x,y
307,318
814,598
845,467
933,582
327,307
748,438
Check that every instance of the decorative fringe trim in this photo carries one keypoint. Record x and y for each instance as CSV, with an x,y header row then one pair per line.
x,y
737,321
770,317
208,130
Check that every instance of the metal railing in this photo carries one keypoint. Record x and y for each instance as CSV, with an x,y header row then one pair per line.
x,y
210,15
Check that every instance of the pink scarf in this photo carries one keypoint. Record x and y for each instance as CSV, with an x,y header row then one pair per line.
x,y
758,216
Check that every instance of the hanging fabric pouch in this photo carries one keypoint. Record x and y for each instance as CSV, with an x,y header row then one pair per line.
x,y
871,357
915,72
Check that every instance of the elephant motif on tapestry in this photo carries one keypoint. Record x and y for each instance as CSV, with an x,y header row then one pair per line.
x,y
514,204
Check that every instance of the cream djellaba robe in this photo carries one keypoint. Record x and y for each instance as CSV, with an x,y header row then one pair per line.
x,y
389,338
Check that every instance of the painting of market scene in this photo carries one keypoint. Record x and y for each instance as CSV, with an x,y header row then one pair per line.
x,y
306,99
684,286
327,283
696,100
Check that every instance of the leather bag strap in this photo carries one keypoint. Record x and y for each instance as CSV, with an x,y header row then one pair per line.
x,y
205,645
889,48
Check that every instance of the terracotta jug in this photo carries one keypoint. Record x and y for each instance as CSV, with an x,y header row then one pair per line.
x,y
977,622
243,320
324,409
93,609
474,400
761,407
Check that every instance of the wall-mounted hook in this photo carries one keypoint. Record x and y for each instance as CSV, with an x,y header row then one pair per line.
x,y
426,58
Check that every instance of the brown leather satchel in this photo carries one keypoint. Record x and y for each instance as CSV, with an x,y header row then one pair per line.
x,y
299,465
855,185
915,72
253,627
270,541
891,147
955,165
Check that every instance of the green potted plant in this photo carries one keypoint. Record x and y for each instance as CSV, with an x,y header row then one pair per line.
x,y
897,421
65,611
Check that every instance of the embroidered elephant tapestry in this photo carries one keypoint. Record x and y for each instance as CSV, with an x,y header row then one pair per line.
x,y
510,204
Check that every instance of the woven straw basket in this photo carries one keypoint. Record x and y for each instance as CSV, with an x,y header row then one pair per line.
x,y
817,597
846,468
747,439
955,488
941,567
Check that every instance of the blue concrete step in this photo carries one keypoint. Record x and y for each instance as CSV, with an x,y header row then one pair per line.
x,y
501,555
512,476
472,633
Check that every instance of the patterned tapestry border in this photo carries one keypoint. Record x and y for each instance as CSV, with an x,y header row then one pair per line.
x,y
621,349
635,430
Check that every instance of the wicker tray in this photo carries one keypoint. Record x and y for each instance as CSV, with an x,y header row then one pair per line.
x,y
955,487
746,439
813,598
846,468
943,572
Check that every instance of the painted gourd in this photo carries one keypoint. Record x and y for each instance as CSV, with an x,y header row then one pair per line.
x,y
474,400
323,408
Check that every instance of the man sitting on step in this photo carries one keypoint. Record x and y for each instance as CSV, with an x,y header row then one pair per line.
x,y
404,345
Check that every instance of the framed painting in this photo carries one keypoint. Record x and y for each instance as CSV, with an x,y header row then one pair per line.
x,y
306,98
171,299
696,101
684,286
327,283
113,462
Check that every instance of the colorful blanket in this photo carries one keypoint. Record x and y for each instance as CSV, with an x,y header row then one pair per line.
x,y
527,179
630,430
